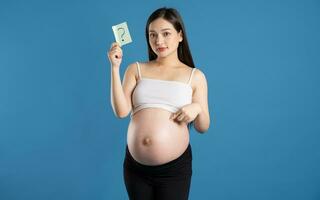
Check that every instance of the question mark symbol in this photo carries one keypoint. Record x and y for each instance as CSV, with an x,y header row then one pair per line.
x,y
122,33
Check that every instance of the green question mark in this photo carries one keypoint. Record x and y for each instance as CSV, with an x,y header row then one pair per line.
x,y
122,33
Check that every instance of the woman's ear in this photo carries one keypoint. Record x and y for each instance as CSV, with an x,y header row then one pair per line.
x,y
181,36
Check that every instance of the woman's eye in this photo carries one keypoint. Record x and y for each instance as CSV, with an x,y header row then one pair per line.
x,y
151,35
166,33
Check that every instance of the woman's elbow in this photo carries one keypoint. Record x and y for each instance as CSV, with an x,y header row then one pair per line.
x,y
122,115
203,128
202,131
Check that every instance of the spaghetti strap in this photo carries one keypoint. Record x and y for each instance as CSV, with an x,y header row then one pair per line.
x,y
139,72
194,69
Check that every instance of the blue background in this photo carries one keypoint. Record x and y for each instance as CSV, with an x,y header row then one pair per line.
x,y
59,138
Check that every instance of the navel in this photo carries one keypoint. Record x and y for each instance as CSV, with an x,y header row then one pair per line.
x,y
146,141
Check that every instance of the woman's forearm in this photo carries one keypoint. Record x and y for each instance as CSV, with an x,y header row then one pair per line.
x,y
202,121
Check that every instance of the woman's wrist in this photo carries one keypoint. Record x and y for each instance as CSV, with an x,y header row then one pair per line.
x,y
115,67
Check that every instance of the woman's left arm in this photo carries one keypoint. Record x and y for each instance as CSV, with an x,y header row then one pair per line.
x,y
198,110
200,97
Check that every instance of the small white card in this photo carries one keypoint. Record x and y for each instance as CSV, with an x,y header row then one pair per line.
x,y
121,33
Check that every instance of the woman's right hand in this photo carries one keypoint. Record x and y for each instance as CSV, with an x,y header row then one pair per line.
x,y
115,55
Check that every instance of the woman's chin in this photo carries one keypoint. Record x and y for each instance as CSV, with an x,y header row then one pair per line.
x,y
162,55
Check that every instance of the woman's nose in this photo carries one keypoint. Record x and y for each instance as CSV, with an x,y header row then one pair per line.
x,y
159,39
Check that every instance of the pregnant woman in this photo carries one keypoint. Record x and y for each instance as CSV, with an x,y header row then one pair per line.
x,y
164,97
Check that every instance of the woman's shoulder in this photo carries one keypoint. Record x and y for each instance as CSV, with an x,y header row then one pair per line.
x,y
198,72
142,61
199,79
133,67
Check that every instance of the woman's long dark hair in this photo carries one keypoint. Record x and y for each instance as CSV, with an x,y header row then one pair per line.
x,y
172,15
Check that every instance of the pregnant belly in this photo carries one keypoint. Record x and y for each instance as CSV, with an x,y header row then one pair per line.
x,y
154,139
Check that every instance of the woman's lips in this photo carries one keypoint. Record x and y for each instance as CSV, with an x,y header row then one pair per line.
x,y
162,49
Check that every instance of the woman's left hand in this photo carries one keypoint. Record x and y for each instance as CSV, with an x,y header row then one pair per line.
x,y
187,113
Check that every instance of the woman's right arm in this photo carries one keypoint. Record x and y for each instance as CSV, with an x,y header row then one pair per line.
x,y
120,94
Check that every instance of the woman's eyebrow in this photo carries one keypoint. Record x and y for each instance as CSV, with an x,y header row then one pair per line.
x,y
161,30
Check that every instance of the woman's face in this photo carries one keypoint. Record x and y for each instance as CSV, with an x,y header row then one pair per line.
x,y
163,37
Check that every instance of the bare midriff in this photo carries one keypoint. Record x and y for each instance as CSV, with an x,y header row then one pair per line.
x,y
154,139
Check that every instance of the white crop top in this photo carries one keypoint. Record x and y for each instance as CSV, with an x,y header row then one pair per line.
x,y
156,93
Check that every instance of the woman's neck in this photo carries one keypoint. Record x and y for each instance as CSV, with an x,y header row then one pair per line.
x,y
168,61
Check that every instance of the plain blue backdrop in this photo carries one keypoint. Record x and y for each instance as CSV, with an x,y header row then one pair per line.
x,y
60,140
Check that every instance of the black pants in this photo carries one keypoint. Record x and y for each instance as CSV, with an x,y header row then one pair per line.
x,y
169,181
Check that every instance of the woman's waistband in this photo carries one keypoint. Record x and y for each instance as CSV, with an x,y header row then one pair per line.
x,y
184,158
